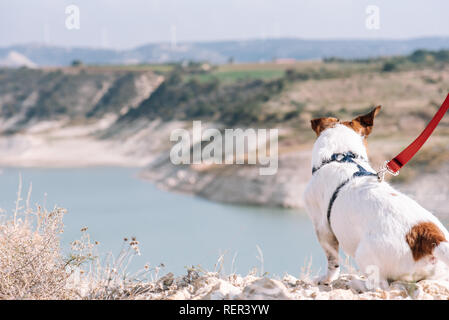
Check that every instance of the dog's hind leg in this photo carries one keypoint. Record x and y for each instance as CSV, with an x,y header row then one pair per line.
x,y
329,243
366,260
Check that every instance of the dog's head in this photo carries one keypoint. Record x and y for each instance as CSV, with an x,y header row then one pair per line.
x,y
335,136
362,125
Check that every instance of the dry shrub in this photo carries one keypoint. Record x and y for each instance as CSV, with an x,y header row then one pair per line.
x,y
109,279
31,265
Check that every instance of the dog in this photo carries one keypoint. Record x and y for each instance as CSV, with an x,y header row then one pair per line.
x,y
371,221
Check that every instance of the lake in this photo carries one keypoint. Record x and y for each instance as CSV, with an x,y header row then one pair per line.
x,y
175,229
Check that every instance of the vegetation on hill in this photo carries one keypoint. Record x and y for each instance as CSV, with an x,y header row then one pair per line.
x,y
233,94
78,93
239,97
418,58
122,91
239,102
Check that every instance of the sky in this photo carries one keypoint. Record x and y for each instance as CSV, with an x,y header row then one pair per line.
x,y
124,24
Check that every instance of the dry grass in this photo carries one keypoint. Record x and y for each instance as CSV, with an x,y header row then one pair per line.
x,y
31,266
109,279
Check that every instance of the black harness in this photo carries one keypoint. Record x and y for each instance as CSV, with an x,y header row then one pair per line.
x,y
342,158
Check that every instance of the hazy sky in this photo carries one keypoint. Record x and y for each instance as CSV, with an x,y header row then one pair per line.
x,y
128,23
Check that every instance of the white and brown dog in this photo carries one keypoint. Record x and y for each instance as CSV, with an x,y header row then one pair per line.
x,y
370,220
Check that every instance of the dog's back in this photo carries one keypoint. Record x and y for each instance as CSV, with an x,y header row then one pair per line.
x,y
371,221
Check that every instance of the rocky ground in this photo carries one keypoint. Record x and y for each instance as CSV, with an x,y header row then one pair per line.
x,y
213,286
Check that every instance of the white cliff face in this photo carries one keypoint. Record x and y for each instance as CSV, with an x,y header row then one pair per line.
x,y
238,184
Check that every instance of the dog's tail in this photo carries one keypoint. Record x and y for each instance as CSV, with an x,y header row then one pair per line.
x,y
441,252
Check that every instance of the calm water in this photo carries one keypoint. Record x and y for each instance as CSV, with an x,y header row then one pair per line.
x,y
175,229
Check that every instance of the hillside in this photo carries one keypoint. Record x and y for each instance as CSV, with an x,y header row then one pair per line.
x,y
78,94
123,115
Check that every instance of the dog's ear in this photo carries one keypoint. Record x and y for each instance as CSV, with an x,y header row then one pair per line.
x,y
364,124
320,124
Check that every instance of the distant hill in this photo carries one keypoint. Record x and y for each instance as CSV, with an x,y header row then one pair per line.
x,y
223,51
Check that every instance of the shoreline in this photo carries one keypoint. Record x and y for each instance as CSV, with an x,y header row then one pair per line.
x,y
146,146
241,187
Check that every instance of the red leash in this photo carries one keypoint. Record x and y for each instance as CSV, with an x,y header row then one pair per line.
x,y
394,165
